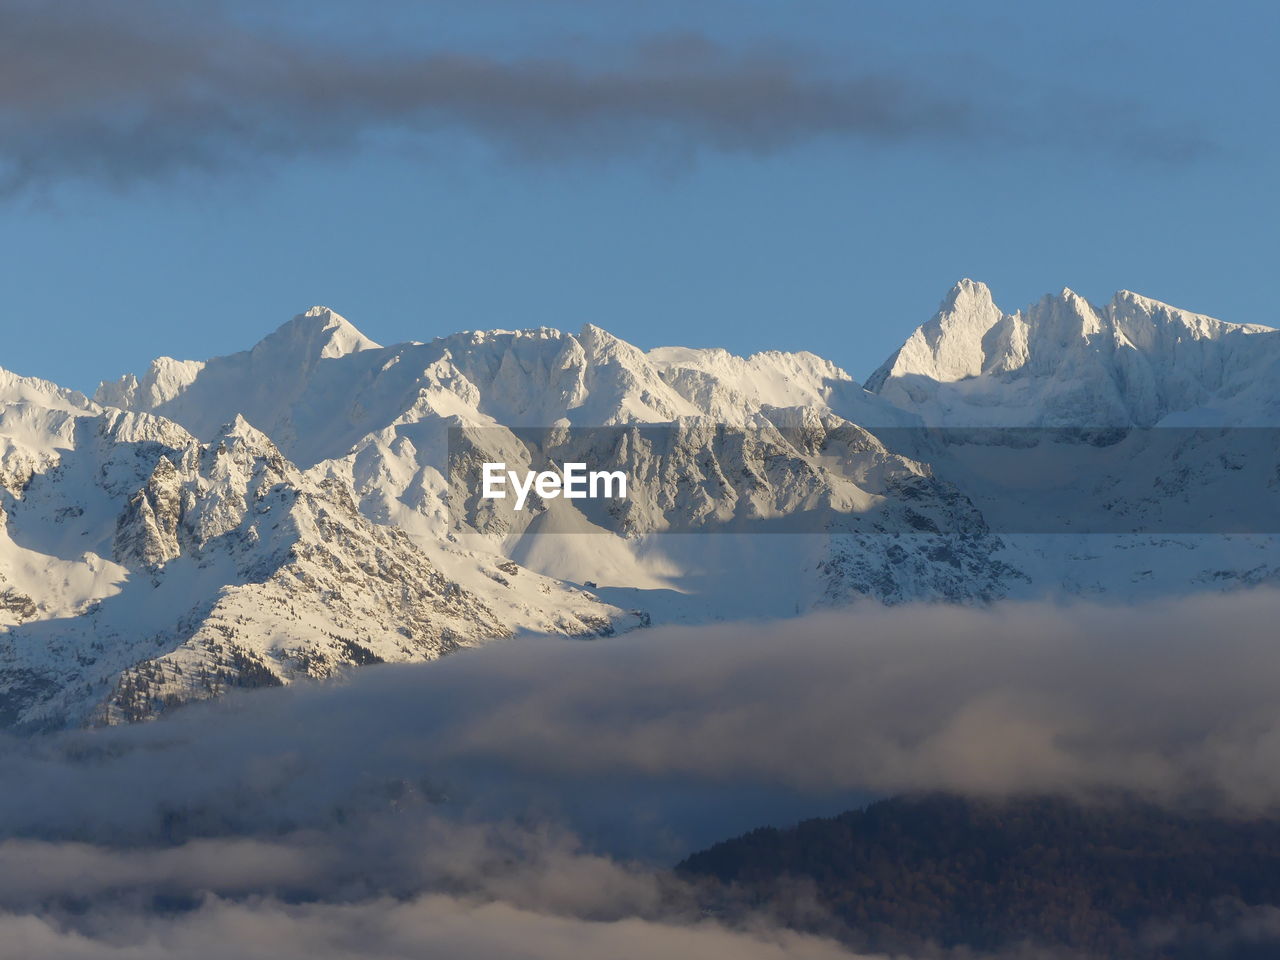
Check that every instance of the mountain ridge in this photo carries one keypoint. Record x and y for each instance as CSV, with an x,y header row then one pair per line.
x,y
288,511
1064,361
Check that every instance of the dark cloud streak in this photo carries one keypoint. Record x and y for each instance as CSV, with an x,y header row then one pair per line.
x,y
140,91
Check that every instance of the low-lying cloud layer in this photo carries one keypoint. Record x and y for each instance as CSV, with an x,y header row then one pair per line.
x,y
427,926
443,807
143,90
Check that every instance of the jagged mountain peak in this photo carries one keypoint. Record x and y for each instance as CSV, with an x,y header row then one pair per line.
x,y
966,289
247,444
297,345
952,345
319,333
238,428
597,341
1064,360
590,330
204,395
1057,324
600,346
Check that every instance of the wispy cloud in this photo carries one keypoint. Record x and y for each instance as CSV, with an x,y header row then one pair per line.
x,y
141,90
136,91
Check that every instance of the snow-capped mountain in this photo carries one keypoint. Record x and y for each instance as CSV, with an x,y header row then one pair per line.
x,y
378,418
144,567
290,511
1066,362
1175,490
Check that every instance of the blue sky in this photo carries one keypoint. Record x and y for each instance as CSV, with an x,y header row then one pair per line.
x,y
184,177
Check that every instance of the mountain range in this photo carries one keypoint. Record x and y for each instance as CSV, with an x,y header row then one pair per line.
x,y
292,510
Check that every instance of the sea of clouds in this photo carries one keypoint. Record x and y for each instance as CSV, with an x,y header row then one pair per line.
x,y
527,799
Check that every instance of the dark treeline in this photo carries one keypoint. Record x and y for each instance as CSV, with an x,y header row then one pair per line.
x,y
934,873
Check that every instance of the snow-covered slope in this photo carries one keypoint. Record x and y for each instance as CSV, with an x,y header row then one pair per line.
x,y
144,567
